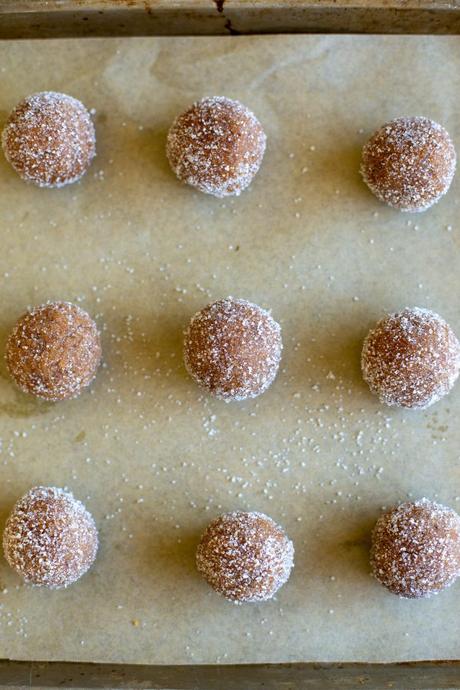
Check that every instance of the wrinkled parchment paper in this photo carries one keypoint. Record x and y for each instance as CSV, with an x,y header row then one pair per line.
x,y
152,457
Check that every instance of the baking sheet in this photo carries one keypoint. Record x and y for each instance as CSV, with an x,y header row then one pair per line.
x,y
155,459
68,18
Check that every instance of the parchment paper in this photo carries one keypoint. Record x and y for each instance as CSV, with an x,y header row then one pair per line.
x,y
152,457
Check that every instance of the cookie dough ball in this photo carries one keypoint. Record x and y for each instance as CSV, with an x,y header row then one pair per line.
x,y
409,163
411,359
54,351
245,556
49,139
50,539
233,349
416,549
217,146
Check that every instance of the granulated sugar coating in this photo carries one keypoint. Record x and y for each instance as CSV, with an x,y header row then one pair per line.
x,y
416,549
54,351
233,349
217,146
409,163
50,539
49,139
411,359
245,556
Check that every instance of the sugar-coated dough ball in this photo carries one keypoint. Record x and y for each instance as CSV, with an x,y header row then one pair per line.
x,y
233,349
416,549
50,539
54,351
49,139
409,163
217,146
411,359
245,556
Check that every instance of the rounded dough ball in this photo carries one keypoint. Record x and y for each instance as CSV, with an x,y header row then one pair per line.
x,y
411,359
49,139
50,539
409,163
217,146
53,351
245,556
233,349
416,549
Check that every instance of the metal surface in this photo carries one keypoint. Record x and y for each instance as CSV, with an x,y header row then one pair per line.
x,y
53,19
419,676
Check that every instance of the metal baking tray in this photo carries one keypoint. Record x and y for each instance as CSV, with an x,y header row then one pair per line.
x,y
65,18
406,676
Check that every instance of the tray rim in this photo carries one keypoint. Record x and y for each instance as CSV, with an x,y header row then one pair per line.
x,y
77,6
80,18
416,675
